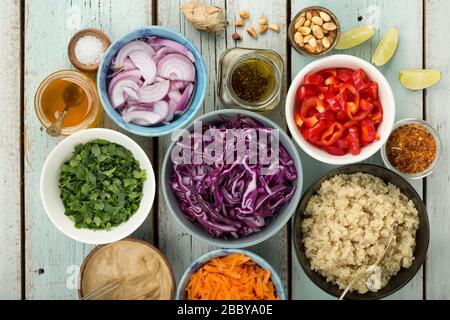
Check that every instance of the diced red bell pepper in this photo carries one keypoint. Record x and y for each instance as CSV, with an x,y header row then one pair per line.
x,y
316,131
377,113
332,81
306,91
328,73
368,131
333,133
326,115
323,89
298,120
342,143
345,75
353,141
366,105
310,122
342,116
335,150
332,103
311,106
314,80
360,80
373,90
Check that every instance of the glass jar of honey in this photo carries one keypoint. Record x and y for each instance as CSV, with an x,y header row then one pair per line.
x,y
49,101
250,79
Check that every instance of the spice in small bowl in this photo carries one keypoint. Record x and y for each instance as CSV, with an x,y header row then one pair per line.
x,y
86,48
314,31
413,149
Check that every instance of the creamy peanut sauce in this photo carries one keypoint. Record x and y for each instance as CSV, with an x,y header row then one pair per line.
x,y
145,273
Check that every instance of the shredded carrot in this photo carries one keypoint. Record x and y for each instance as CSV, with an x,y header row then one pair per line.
x,y
232,277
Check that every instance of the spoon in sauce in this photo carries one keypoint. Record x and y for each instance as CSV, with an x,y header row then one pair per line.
x,y
72,96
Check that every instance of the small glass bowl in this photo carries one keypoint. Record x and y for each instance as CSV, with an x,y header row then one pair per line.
x,y
232,58
433,165
87,84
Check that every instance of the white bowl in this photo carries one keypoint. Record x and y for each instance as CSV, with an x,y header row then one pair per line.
x,y
53,205
386,98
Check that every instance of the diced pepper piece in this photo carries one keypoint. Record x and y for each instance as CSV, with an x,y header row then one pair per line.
x,y
360,80
333,133
314,80
306,91
368,131
353,141
298,120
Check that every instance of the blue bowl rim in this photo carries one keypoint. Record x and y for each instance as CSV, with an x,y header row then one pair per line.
x,y
241,242
194,266
200,91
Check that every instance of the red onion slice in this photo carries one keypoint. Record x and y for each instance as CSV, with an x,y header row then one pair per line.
x,y
154,92
117,95
130,93
162,52
174,95
144,63
171,113
176,67
134,75
177,84
182,103
141,117
162,108
128,64
172,44
136,45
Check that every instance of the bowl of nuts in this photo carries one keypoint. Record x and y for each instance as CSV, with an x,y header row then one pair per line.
x,y
314,31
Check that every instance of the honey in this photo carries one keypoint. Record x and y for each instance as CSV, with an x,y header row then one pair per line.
x,y
53,103
49,101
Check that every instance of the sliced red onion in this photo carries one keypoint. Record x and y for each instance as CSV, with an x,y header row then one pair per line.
x,y
144,63
162,52
141,117
154,92
134,75
174,95
130,93
171,113
162,108
182,104
174,45
117,95
177,84
128,64
176,67
136,45
150,41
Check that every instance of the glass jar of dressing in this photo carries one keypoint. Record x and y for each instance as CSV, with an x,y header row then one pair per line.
x,y
49,102
250,79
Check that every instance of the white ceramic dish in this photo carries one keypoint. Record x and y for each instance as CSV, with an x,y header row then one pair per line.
x,y
54,207
386,98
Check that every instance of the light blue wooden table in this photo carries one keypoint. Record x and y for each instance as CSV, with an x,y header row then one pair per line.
x,y
38,262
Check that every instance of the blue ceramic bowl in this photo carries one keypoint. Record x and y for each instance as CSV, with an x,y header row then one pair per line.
x,y
181,292
200,85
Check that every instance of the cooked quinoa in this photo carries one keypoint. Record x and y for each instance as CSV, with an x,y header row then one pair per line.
x,y
348,224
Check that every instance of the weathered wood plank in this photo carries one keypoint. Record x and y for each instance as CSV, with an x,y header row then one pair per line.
x,y
185,249
438,184
48,27
10,144
383,14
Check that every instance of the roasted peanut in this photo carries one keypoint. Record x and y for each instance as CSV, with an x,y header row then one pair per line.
x,y
252,32
244,14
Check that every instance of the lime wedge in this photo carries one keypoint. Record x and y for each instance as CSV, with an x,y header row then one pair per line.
x,y
386,48
419,79
355,37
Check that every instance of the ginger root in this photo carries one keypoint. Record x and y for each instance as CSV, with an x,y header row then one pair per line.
x,y
204,17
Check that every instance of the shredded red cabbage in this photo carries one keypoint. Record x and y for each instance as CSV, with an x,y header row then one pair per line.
x,y
233,200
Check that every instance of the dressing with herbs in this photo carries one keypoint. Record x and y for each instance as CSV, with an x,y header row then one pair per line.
x,y
253,80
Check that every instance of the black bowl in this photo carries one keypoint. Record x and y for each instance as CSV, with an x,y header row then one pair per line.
x,y
422,236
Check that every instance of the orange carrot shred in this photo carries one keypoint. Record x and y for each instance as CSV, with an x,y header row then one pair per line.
x,y
231,277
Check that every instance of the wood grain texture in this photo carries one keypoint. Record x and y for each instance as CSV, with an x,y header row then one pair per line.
x,y
438,184
180,247
49,25
383,14
10,171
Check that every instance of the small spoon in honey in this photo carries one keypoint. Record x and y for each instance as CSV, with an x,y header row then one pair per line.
x,y
72,96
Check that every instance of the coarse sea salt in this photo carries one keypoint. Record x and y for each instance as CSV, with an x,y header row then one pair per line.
x,y
89,50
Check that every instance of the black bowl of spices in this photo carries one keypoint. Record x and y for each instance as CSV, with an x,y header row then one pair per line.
x,y
250,79
413,149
